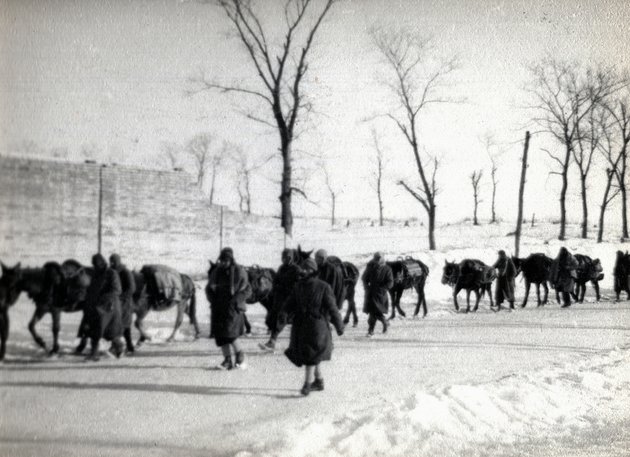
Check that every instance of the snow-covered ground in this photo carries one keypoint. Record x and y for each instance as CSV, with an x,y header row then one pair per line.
x,y
536,381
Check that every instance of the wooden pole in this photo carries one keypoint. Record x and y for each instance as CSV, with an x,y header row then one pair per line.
x,y
221,228
100,209
521,191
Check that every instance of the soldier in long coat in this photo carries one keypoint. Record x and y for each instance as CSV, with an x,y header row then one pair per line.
x,y
313,307
563,274
506,273
128,285
228,288
330,274
283,283
377,280
103,307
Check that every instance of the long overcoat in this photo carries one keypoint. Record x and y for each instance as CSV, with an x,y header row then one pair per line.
x,y
227,291
103,305
563,273
128,284
332,275
505,280
377,280
313,307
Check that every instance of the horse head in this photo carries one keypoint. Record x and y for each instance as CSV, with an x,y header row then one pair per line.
x,y
302,255
211,266
75,287
518,265
9,284
450,272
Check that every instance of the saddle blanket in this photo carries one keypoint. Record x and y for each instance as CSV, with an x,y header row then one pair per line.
x,y
168,281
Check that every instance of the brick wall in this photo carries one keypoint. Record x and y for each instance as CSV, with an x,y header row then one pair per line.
x,y
49,211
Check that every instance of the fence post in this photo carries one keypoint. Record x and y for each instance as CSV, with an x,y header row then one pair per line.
x,y
220,228
100,208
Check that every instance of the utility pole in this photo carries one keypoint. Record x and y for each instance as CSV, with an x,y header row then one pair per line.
x,y
521,191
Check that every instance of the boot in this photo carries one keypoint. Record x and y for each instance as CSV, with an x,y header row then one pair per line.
x,y
385,326
226,364
306,389
269,345
512,305
128,341
240,361
317,385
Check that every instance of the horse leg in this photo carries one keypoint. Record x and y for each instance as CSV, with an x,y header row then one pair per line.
x,y
546,289
4,331
538,294
394,294
181,306
400,310
248,326
37,315
456,290
596,287
489,290
477,300
527,287
141,313
192,314
468,300
56,326
419,292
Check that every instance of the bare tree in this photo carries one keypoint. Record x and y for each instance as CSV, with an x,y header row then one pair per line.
x,y
245,169
521,193
417,80
333,191
620,113
489,144
475,178
377,175
172,152
280,69
564,94
205,158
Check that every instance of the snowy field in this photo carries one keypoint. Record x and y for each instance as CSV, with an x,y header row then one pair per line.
x,y
536,381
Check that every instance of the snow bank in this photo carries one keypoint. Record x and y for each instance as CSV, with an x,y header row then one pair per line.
x,y
554,403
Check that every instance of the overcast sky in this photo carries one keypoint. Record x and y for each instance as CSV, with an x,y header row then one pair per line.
x,y
111,76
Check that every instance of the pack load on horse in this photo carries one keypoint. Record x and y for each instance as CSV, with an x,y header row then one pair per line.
x,y
621,274
536,269
472,275
408,273
261,281
588,270
164,287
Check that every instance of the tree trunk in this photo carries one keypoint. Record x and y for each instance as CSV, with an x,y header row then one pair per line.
x,y
286,216
214,177
475,222
624,196
563,194
584,207
380,204
332,216
521,192
494,192
431,226
602,211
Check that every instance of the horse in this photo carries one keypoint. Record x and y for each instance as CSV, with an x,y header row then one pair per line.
x,y
471,275
408,273
350,275
536,268
261,281
621,274
9,294
588,270
152,295
46,287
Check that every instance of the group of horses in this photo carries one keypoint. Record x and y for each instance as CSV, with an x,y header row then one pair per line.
x,y
55,288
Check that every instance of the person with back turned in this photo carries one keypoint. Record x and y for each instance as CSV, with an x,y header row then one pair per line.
x,y
103,307
313,307
128,285
377,280
506,273
330,274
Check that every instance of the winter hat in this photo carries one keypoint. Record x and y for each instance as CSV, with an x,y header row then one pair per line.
x,y
321,253
309,265
227,254
98,259
114,259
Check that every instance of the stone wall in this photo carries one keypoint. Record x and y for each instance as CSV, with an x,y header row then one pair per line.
x,y
49,211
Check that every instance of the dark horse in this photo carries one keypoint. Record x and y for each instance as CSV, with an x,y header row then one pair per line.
x,y
46,287
408,273
471,275
536,268
150,297
261,281
588,270
622,274
350,274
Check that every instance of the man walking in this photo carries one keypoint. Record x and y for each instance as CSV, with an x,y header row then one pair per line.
x,y
377,280
330,274
128,285
506,272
